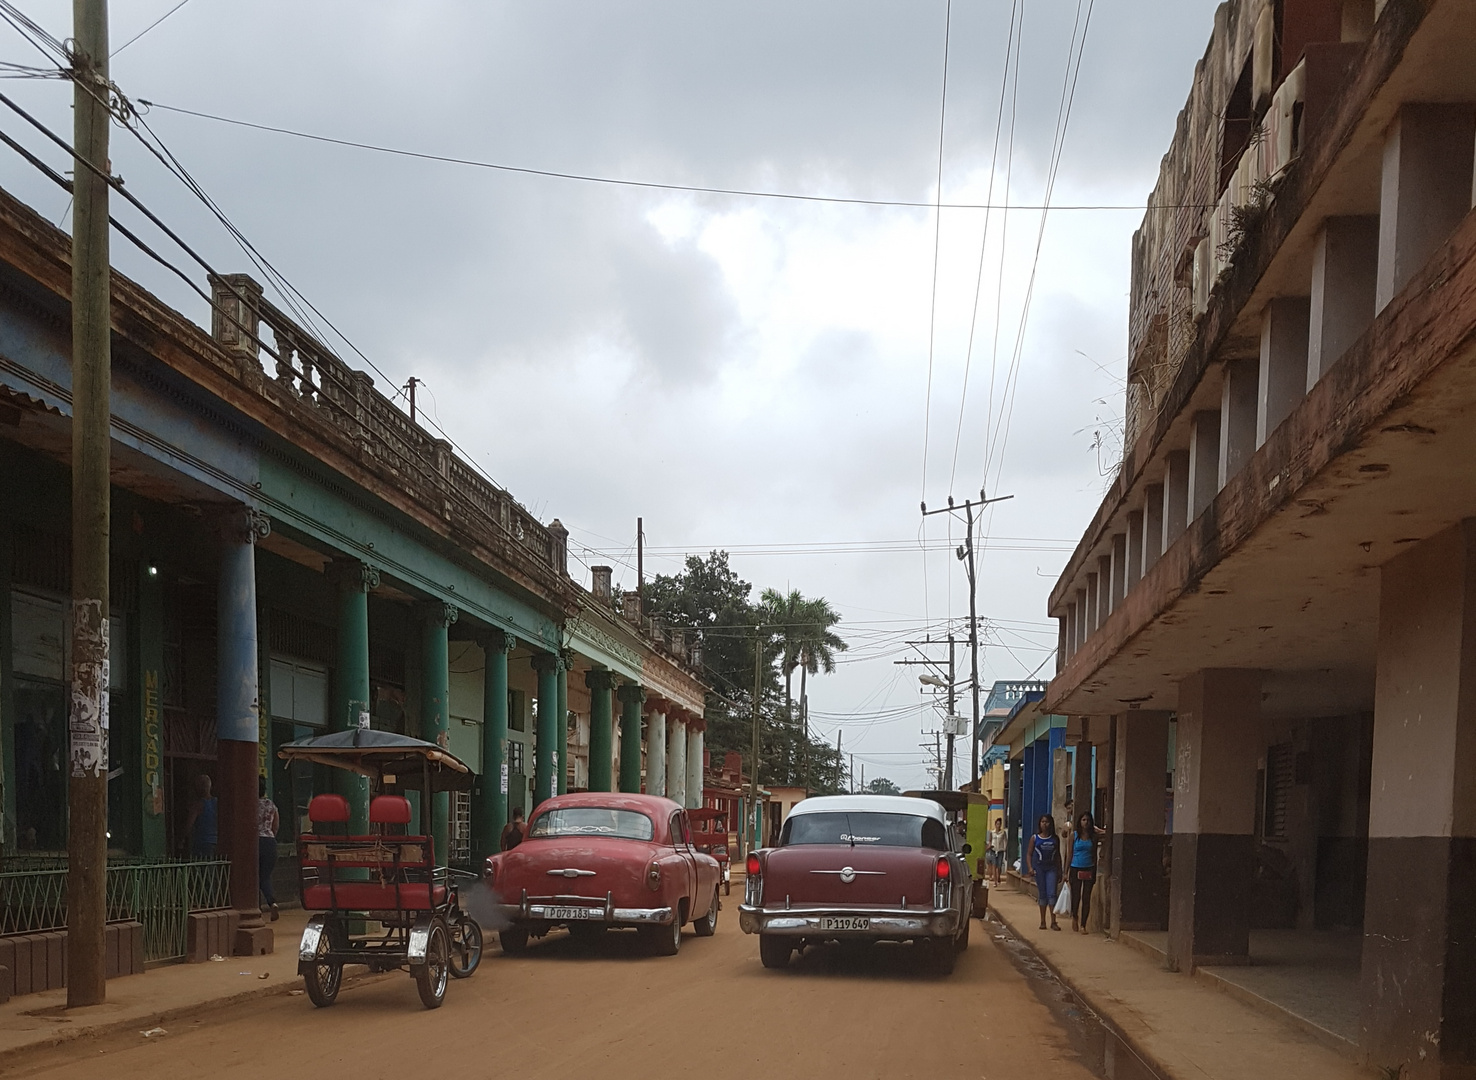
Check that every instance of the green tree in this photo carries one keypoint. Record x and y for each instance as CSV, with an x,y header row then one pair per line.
x,y
882,786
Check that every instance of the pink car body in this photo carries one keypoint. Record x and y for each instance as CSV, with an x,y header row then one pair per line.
x,y
597,860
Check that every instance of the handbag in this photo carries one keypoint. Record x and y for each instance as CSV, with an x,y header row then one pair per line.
x,y
1085,875
1063,902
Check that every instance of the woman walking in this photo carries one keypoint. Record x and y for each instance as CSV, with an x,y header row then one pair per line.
x,y
1082,874
1043,856
268,821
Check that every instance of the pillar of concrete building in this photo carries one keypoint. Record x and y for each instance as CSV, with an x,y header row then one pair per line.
x,y
1419,946
1204,461
561,697
1345,270
1239,407
1083,788
1105,602
656,753
676,760
1425,189
489,807
1213,862
238,720
1069,624
355,581
1083,618
1140,895
632,697
1282,378
1119,568
1153,503
1175,496
435,708
1094,610
546,760
1014,808
1134,550
601,730
694,767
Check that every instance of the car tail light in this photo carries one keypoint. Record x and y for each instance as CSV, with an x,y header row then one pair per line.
x,y
755,868
943,868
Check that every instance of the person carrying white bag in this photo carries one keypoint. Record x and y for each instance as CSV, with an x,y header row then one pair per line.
x,y
1043,855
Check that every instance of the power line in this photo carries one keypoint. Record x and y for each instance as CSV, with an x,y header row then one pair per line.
x,y
146,29
937,242
588,178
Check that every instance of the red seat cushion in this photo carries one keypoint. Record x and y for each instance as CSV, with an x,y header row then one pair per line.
x,y
389,810
328,808
372,896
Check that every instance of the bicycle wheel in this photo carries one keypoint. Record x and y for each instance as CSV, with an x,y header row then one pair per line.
x,y
466,946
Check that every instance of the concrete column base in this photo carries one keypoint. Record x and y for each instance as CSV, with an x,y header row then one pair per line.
x,y
254,940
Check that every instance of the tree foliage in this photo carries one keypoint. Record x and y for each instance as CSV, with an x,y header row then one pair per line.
x,y
789,632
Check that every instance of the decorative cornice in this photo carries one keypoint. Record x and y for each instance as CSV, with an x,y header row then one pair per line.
x,y
601,639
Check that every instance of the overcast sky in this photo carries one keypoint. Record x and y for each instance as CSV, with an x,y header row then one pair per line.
x,y
737,371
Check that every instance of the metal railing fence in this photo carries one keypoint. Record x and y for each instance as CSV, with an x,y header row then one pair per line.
x,y
160,895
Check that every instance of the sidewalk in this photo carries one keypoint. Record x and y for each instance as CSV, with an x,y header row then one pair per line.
x,y
1184,1028
158,997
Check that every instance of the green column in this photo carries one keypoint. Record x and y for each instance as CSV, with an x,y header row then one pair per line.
x,y
152,842
561,688
632,697
489,807
435,709
546,747
601,729
351,675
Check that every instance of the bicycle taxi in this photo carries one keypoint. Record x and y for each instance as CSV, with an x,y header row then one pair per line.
x,y
710,836
388,877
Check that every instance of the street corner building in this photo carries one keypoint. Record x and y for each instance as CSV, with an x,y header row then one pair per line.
x,y
1268,630
291,555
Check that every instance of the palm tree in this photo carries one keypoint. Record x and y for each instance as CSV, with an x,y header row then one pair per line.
x,y
786,613
818,645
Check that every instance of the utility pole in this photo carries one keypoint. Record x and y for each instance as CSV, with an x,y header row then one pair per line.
x,y
952,698
410,387
87,721
753,779
640,569
966,556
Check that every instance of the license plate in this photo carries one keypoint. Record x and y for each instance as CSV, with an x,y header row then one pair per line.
x,y
559,913
844,922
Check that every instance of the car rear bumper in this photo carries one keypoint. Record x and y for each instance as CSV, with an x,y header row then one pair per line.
x,y
557,914
884,924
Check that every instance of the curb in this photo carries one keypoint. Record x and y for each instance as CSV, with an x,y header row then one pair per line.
x,y
1135,1046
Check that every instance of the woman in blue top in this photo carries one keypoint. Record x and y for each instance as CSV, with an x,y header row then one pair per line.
x,y
1083,872
1043,856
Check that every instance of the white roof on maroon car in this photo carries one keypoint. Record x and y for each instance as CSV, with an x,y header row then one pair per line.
x,y
876,804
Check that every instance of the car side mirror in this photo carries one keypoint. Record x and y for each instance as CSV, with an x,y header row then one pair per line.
x,y
967,848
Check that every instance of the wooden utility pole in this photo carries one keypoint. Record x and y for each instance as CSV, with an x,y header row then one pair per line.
x,y
410,387
87,720
952,710
753,779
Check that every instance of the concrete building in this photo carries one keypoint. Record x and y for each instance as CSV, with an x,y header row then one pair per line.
x,y
292,555
1276,588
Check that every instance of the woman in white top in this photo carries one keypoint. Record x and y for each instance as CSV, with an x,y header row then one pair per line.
x,y
998,847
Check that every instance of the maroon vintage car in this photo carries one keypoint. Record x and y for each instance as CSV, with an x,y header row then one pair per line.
x,y
860,868
592,861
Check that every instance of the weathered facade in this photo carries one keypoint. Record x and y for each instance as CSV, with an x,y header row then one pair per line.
x,y
1274,590
291,555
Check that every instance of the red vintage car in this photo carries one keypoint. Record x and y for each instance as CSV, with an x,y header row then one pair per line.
x,y
860,868
594,860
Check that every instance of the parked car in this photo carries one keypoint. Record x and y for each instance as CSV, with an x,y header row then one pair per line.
x,y
860,868
593,861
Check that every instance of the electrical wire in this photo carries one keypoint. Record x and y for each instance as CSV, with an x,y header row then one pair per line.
x,y
937,243
146,29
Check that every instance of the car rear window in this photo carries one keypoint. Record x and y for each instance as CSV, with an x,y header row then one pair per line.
x,y
593,821
864,828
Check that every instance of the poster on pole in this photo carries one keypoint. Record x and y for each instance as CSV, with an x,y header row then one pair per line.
x,y
87,720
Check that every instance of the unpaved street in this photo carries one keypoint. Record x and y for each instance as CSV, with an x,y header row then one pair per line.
x,y
563,1011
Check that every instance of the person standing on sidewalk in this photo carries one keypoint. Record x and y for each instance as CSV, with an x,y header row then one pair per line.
x,y
1082,874
268,821
998,846
201,825
1043,856
514,832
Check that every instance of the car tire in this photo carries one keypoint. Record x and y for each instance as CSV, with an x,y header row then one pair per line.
x,y
664,940
514,942
707,925
961,942
942,956
774,952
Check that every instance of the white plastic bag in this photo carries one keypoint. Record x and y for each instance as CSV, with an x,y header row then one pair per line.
x,y
1063,899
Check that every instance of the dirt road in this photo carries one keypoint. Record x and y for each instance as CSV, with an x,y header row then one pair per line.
x,y
606,1011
